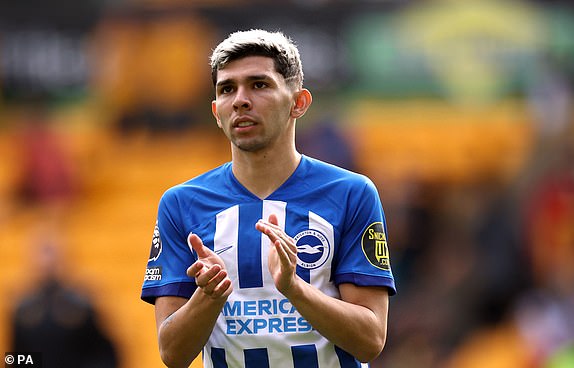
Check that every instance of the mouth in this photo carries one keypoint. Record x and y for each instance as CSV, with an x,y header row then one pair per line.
x,y
243,122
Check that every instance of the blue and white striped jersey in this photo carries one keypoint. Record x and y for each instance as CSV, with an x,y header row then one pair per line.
x,y
337,220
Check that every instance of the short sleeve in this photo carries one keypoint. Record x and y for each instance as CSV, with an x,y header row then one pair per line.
x,y
363,256
170,255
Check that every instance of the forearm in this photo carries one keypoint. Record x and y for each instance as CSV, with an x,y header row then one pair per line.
x,y
357,322
354,328
183,334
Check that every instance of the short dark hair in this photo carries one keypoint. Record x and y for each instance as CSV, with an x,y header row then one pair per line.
x,y
257,42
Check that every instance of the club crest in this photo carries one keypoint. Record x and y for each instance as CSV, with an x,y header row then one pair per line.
x,y
312,249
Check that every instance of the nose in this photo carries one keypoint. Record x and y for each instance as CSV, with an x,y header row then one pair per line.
x,y
242,100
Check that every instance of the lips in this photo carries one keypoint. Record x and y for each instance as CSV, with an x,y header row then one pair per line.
x,y
243,122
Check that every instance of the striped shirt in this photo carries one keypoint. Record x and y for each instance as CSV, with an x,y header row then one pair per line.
x,y
337,220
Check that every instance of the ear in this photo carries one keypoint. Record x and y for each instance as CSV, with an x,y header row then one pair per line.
x,y
303,100
214,112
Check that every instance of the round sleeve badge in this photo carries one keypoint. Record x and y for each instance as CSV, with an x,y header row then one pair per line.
x,y
374,244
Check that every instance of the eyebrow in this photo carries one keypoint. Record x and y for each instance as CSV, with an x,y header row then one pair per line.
x,y
250,78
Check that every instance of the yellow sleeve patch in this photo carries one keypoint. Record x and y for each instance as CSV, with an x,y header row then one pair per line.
x,y
374,244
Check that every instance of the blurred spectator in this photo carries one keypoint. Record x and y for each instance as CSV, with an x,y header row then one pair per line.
x,y
46,175
413,228
545,316
549,225
537,330
325,141
503,272
434,310
58,321
550,97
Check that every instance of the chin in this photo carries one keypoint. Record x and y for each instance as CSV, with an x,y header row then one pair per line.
x,y
250,145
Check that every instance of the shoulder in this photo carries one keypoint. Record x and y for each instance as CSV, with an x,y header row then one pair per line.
x,y
207,181
324,171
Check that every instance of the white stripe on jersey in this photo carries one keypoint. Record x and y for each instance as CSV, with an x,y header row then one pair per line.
x,y
321,279
225,240
277,208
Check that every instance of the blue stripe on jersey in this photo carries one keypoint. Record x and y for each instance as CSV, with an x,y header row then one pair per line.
x,y
218,358
303,273
346,359
291,229
249,247
305,356
256,358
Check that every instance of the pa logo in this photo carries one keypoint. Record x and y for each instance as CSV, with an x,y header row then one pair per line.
x,y
313,249
155,244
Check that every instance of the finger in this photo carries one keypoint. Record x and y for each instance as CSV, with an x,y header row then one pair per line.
x,y
266,229
291,246
223,289
214,282
274,232
278,234
270,225
204,278
283,253
195,243
194,269
273,219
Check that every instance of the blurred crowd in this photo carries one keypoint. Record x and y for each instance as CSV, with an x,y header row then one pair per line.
x,y
484,265
486,269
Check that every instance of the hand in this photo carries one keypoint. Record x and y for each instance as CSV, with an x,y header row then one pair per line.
x,y
209,271
282,261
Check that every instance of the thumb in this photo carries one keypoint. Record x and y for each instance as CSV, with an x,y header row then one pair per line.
x,y
196,244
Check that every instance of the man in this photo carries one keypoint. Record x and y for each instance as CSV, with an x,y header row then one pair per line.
x,y
274,259
55,320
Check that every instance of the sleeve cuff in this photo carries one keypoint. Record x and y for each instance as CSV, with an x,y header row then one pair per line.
x,y
183,289
367,280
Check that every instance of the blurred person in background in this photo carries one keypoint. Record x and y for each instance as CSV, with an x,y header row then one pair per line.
x,y
536,328
274,259
46,177
545,315
325,141
56,319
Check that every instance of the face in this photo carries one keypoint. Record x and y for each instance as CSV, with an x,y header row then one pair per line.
x,y
253,104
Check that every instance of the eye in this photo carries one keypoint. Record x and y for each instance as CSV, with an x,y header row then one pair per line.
x,y
258,85
225,89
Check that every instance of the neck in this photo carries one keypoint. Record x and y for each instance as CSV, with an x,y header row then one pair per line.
x,y
263,172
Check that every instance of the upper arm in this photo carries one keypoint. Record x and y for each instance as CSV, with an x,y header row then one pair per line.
x,y
165,306
362,254
374,298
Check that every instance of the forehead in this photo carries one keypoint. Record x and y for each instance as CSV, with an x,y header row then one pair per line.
x,y
247,67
